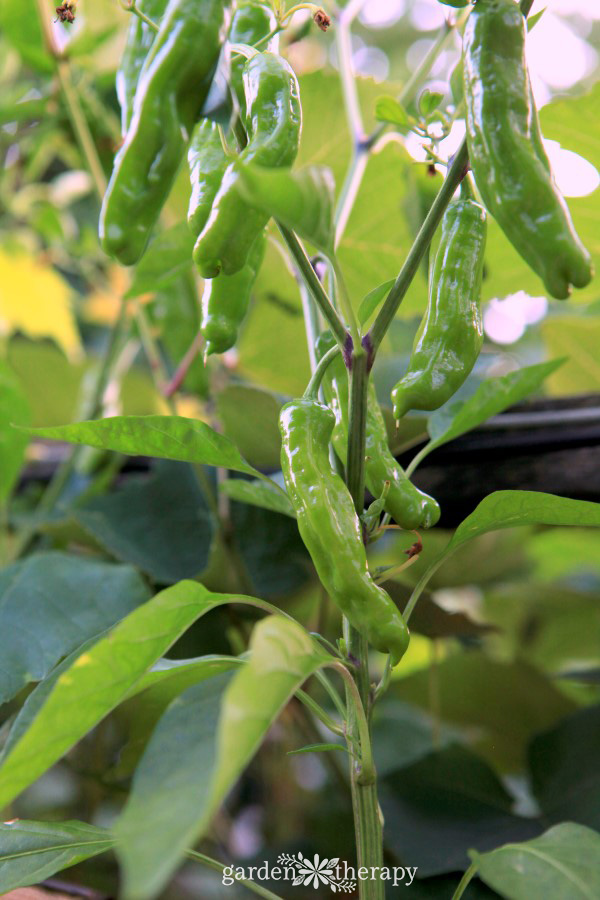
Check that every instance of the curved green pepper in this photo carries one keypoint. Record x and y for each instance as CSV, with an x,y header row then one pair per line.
x,y
225,301
506,151
251,23
273,118
172,89
140,37
207,161
449,339
330,528
407,505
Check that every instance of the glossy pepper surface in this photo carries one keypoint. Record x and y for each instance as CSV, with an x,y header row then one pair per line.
x,y
273,121
407,505
140,37
251,23
225,301
330,528
449,339
207,160
506,151
172,88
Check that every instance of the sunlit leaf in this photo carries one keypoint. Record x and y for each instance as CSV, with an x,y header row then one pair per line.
x,y
561,864
164,437
35,300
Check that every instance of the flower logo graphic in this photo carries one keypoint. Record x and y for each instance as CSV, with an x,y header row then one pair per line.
x,y
316,872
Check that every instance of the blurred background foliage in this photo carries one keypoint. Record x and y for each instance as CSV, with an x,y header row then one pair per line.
x,y
480,728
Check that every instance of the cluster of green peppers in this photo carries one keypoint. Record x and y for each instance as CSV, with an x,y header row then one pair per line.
x,y
514,177
162,85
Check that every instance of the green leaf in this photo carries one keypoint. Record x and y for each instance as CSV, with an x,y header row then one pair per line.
x,y
429,101
303,201
250,418
502,703
152,694
24,32
164,437
33,851
561,864
14,410
444,804
167,257
160,523
565,769
370,303
50,604
491,397
317,748
98,679
205,762
535,18
265,494
507,509
388,109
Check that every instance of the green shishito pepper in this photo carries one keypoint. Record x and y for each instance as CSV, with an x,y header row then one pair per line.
x,y
506,151
172,88
251,23
206,157
273,120
330,528
450,336
140,37
225,301
407,505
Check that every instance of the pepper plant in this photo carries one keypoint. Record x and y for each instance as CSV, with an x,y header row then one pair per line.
x,y
110,665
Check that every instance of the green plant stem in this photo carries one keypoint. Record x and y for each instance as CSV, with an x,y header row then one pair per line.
x,y
367,818
313,284
417,459
133,8
465,881
312,388
320,713
211,863
456,173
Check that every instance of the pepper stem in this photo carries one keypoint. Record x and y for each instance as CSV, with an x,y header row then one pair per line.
x,y
312,388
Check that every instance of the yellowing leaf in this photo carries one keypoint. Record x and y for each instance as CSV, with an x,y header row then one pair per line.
x,y
34,299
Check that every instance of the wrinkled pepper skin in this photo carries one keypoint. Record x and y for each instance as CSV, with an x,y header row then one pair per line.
x,y
407,505
450,337
206,157
140,38
207,163
273,119
226,299
173,86
250,24
506,152
330,528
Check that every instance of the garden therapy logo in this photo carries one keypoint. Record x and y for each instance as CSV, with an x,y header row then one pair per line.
x,y
316,872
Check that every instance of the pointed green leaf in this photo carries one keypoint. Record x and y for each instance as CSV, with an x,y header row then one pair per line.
x,y
159,823
97,680
491,397
14,410
50,604
507,509
372,300
561,864
33,851
259,493
165,437
388,109
317,748
303,201
429,102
